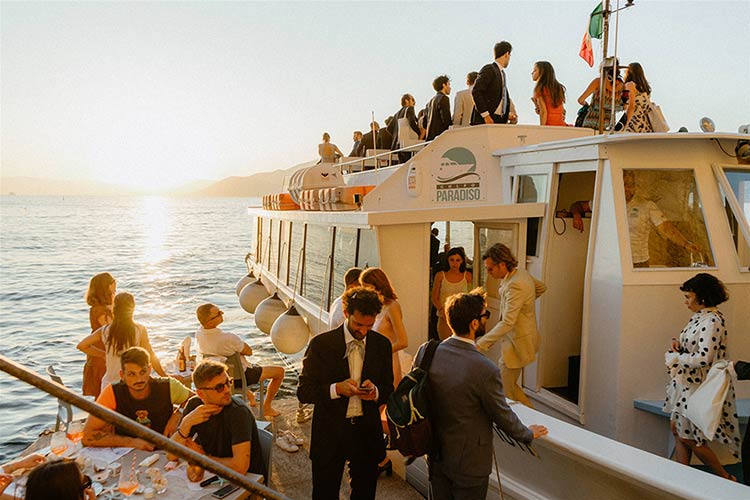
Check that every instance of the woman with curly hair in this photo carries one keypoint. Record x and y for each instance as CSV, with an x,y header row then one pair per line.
x,y
549,95
99,297
120,335
702,343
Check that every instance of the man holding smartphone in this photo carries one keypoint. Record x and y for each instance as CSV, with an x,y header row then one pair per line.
x,y
347,373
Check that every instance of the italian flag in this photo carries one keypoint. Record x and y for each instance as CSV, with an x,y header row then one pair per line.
x,y
595,29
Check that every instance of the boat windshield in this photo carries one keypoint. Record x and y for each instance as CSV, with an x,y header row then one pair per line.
x,y
736,200
665,219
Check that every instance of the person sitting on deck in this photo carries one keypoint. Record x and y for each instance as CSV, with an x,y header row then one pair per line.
x,y
212,341
357,138
367,141
218,425
140,397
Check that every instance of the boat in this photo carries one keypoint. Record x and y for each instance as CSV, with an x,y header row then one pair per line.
x,y
604,323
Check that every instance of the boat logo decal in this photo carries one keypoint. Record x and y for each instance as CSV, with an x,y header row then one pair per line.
x,y
457,179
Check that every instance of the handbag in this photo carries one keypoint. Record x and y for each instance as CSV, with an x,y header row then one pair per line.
x,y
406,135
656,117
705,405
582,115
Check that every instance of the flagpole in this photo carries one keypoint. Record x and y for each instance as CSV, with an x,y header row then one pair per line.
x,y
605,40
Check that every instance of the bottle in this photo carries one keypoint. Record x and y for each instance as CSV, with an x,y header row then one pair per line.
x,y
182,361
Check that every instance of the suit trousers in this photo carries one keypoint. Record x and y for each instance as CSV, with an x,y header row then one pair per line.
x,y
464,488
363,469
512,390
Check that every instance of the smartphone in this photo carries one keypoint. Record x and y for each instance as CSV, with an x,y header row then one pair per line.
x,y
225,491
210,480
369,388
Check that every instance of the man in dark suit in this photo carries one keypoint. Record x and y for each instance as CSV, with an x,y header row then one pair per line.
x,y
492,102
347,373
367,140
406,111
357,138
439,108
467,397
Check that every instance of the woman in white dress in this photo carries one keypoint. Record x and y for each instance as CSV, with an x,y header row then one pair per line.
x,y
455,280
702,343
118,336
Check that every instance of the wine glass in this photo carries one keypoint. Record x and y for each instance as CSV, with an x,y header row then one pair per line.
x,y
75,433
58,443
128,476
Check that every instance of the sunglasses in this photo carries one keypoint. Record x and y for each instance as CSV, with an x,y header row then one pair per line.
x,y
220,387
485,315
86,483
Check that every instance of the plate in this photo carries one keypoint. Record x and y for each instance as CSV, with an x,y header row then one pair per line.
x,y
100,477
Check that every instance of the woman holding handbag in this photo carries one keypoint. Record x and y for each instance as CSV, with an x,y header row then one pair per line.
x,y
702,343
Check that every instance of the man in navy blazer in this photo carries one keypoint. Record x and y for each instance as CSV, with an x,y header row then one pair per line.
x,y
439,108
466,398
347,373
492,102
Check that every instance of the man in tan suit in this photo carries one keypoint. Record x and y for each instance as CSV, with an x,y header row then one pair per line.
x,y
516,329
463,104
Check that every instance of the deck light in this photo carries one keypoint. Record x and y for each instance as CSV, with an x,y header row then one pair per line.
x,y
290,332
707,124
252,294
268,311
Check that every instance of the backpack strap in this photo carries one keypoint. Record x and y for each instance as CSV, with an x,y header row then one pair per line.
x,y
428,354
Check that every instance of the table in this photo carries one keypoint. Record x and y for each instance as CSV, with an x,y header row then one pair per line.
x,y
179,488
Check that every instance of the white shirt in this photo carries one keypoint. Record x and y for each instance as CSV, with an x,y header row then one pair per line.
x,y
216,342
336,314
641,214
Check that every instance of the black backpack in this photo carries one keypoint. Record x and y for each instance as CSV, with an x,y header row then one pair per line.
x,y
408,409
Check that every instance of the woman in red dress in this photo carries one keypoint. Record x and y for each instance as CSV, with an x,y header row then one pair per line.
x,y
549,95
99,296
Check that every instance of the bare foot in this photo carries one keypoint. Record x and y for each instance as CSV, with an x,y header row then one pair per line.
x,y
269,411
251,398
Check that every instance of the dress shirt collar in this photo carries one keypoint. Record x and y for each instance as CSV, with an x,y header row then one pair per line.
x,y
348,337
462,339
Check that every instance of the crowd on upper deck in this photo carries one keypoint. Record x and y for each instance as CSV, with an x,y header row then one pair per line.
x,y
487,100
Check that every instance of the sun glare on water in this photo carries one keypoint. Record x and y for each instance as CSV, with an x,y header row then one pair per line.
x,y
155,222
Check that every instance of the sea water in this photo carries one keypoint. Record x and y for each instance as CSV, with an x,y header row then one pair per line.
x,y
172,254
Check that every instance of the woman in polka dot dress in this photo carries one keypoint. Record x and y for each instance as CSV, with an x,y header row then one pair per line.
x,y
702,342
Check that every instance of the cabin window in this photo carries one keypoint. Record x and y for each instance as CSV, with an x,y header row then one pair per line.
x,y
344,256
736,201
532,188
295,254
665,219
367,251
317,251
284,235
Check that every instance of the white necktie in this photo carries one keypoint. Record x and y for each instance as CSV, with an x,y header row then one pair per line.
x,y
355,354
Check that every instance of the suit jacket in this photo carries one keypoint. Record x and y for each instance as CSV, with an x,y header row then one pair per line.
x,y
466,397
463,107
324,364
487,93
517,328
384,141
405,112
438,115
355,148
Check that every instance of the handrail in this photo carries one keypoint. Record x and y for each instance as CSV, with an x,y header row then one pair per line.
x,y
61,392
361,161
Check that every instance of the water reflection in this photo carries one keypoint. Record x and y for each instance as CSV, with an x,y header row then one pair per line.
x,y
155,223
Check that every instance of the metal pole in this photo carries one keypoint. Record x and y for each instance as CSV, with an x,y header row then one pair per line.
x,y
605,39
162,442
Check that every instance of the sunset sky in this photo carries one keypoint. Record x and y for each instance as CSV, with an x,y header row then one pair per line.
x,y
152,95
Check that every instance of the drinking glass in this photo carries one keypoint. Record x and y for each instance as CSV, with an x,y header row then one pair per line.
x,y
75,433
58,443
128,476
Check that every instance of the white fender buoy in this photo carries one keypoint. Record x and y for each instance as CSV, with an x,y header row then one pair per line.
x,y
245,280
268,311
290,332
252,294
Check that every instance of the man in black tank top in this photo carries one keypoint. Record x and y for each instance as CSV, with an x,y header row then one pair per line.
x,y
140,397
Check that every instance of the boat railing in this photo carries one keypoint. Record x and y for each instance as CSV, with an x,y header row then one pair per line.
x,y
111,417
379,160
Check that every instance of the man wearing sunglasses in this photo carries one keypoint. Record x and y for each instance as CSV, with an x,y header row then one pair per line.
x,y
466,398
213,341
516,328
218,425
347,373
139,396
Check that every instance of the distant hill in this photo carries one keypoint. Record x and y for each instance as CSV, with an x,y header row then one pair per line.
x,y
253,185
